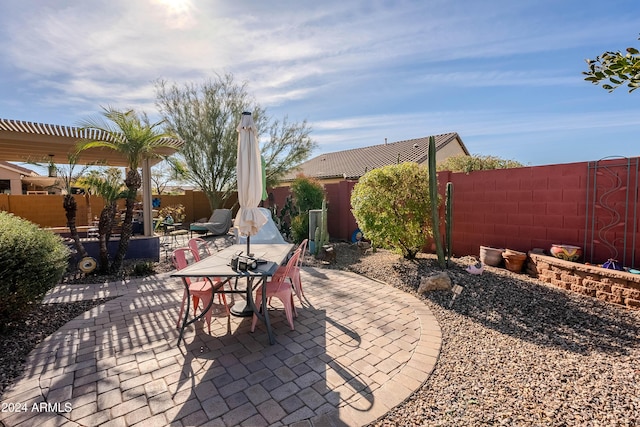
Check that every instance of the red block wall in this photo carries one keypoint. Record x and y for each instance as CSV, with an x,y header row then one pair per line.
x,y
520,208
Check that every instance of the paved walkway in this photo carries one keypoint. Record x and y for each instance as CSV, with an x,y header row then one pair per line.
x,y
359,349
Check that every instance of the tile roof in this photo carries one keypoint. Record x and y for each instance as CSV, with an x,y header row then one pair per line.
x,y
352,164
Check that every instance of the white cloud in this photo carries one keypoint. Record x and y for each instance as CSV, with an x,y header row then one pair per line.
x,y
353,68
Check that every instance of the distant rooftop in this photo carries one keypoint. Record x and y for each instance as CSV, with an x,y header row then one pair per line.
x,y
352,164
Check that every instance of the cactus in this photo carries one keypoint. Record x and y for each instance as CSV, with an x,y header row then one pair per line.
x,y
321,233
433,195
449,221
324,231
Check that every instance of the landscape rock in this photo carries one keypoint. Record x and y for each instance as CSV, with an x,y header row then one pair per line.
x,y
435,282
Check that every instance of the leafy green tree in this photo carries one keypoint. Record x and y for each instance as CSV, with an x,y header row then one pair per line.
x,y
206,116
476,162
136,138
171,170
392,207
615,69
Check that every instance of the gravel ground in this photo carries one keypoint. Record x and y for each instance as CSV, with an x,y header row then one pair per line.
x,y
515,351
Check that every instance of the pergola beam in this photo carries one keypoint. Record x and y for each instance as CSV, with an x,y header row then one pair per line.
x,y
22,141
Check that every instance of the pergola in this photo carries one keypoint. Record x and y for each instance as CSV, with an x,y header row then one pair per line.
x,y
22,141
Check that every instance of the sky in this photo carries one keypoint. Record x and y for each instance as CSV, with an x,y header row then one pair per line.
x,y
505,75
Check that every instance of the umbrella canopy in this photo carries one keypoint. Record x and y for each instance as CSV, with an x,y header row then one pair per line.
x,y
249,170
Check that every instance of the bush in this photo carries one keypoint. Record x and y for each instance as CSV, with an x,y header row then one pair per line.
x,y
32,261
307,193
392,207
142,268
476,162
300,228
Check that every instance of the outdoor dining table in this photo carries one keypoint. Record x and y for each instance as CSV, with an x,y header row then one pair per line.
x,y
218,264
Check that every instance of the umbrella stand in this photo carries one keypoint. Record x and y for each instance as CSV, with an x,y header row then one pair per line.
x,y
241,308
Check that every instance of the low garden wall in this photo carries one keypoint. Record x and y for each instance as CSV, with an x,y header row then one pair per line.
x,y
618,287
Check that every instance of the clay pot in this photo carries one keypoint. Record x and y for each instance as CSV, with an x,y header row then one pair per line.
x,y
566,252
514,260
490,256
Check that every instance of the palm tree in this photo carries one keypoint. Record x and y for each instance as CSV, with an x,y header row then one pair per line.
x,y
107,184
133,136
67,177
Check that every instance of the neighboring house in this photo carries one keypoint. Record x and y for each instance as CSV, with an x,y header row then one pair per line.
x,y
17,180
352,164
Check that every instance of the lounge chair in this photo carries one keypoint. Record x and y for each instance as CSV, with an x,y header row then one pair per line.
x,y
218,224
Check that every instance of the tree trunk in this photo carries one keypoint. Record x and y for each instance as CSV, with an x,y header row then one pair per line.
x,y
133,183
71,209
104,234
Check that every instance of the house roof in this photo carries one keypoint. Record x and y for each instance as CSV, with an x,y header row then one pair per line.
x,y
22,141
352,164
17,169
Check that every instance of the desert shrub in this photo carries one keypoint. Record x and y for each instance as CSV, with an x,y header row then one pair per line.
x,y
32,261
307,193
300,228
392,207
476,162
283,216
142,268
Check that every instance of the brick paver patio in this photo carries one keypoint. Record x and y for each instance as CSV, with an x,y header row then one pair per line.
x,y
359,349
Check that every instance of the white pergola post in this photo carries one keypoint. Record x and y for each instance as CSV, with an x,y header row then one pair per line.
x,y
147,214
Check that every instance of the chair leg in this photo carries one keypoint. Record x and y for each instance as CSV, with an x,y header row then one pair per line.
x,y
297,286
258,305
196,301
206,299
289,310
184,300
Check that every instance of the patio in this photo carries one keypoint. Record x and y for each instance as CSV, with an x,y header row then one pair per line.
x,y
359,349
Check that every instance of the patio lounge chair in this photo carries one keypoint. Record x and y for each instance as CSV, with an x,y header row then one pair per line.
x,y
218,224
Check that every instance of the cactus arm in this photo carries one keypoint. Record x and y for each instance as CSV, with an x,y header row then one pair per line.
x,y
433,195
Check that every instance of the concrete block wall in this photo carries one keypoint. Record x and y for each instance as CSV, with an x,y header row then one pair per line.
x,y
617,287
519,208
47,210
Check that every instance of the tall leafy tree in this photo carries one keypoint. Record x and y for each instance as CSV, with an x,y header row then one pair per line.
x,y
136,138
171,170
615,69
206,116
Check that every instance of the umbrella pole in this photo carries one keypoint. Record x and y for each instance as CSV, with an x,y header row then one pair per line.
x,y
248,245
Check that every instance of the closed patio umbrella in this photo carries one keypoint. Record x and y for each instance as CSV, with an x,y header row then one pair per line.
x,y
250,185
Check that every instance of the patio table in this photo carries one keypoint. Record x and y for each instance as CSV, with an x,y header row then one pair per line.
x,y
219,265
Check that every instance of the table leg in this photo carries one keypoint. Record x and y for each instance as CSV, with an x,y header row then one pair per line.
x,y
264,316
186,313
